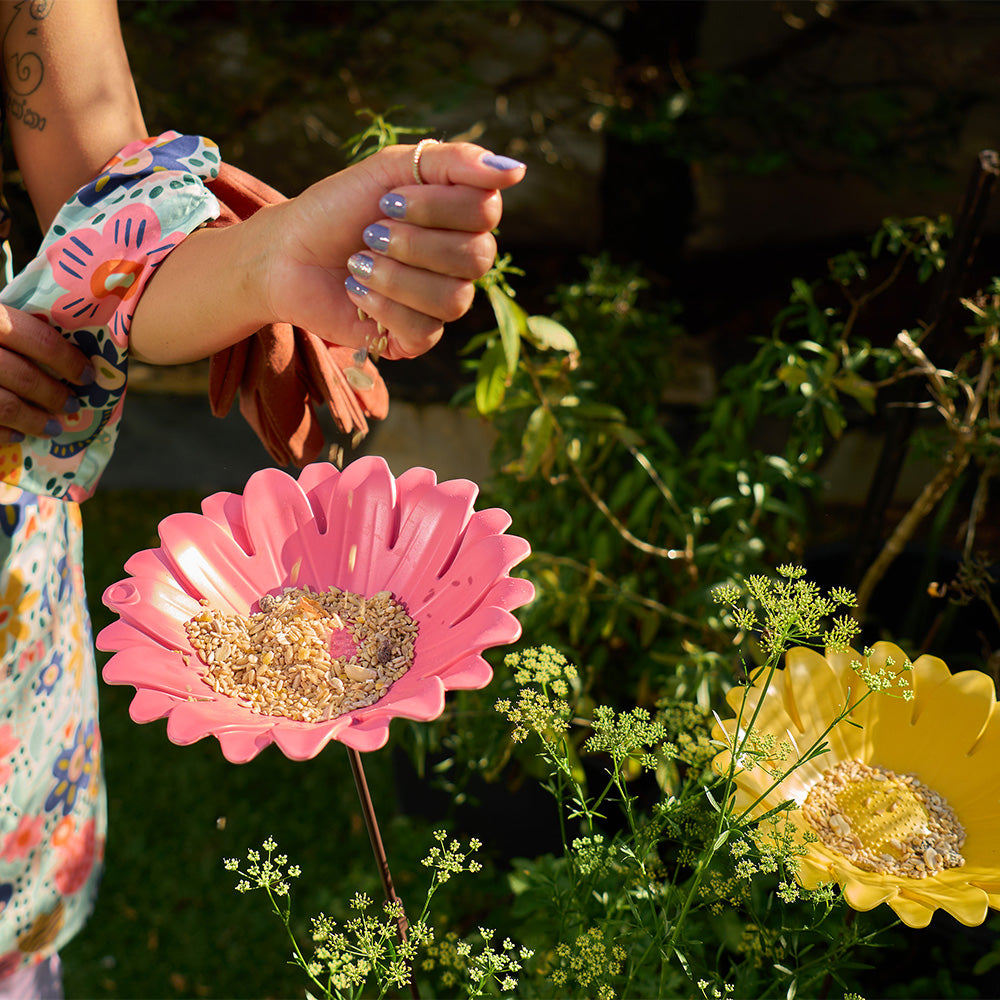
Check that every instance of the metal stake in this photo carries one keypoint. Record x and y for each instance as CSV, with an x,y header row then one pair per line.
x,y
368,811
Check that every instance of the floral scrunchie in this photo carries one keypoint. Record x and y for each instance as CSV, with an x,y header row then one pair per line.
x,y
101,249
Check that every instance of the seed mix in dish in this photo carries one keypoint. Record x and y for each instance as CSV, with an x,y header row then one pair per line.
x,y
277,661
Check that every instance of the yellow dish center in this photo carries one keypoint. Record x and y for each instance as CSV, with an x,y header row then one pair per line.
x,y
882,812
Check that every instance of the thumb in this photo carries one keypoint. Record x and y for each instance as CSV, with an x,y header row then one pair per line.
x,y
432,162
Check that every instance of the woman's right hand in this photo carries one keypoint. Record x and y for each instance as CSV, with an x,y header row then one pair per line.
x,y
33,359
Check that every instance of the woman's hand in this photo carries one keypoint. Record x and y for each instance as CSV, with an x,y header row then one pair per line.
x,y
31,395
369,237
372,238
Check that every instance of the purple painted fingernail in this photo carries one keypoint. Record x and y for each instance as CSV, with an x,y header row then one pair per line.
x,y
16,437
88,376
53,427
355,288
376,237
360,265
72,405
393,205
501,162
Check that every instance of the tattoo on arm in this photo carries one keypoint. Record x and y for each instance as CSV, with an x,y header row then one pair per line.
x,y
23,67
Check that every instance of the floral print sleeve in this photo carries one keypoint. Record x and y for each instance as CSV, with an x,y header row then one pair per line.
x,y
101,249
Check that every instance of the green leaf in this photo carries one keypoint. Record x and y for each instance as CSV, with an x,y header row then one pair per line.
x,y
649,626
512,321
861,389
792,375
599,411
578,618
491,379
835,422
548,335
986,963
536,440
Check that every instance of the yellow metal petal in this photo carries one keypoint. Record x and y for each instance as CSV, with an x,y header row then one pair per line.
x,y
812,691
812,873
867,894
912,912
966,904
930,672
942,734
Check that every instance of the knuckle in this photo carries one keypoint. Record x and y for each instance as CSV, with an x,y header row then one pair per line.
x,y
492,210
10,409
28,382
482,253
458,301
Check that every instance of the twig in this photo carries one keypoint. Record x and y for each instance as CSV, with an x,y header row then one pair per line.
x,y
647,547
629,595
922,506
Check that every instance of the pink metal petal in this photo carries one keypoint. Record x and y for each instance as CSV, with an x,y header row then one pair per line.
x,y
157,609
157,669
302,741
414,481
209,564
488,627
412,696
226,510
366,521
281,525
470,674
512,592
151,564
469,579
241,745
366,736
148,706
314,476
429,535
190,721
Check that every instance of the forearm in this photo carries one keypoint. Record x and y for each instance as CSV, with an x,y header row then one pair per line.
x,y
71,102
204,297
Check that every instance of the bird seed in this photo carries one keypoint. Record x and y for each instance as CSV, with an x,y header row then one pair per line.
x,y
277,660
884,822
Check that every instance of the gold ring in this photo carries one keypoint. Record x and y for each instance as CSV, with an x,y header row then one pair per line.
x,y
417,152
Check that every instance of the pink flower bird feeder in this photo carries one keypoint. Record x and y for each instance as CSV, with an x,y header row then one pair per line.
x,y
360,530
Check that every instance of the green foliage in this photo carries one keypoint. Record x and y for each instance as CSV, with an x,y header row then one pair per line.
x,y
379,133
637,509
371,951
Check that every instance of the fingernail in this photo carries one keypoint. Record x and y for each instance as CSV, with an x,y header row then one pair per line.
x,y
354,288
72,405
501,162
376,237
53,427
16,437
360,265
88,376
393,205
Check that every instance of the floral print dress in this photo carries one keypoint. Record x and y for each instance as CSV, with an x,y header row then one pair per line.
x,y
103,246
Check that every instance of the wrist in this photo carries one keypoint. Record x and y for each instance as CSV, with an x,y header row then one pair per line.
x,y
260,250
208,294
